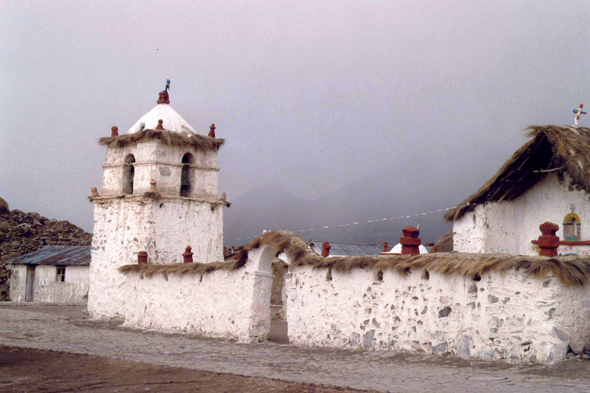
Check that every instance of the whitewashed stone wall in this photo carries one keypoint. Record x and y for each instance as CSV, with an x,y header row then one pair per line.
x,y
509,227
163,163
125,226
230,304
502,316
46,289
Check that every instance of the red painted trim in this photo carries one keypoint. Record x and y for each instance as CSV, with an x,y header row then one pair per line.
x,y
569,243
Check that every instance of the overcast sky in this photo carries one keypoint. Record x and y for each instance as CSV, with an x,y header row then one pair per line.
x,y
308,96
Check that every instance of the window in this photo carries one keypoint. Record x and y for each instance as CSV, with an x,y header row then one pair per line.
x,y
571,227
128,174
61,274
185,176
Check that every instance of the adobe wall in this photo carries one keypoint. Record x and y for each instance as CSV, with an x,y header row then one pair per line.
x,y
509,227
125,226
502,316
46,289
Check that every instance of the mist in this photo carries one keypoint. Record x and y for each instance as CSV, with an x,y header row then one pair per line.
x,y
422,100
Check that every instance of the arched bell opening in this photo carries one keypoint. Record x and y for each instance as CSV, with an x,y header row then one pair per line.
x,y
185,176
128,174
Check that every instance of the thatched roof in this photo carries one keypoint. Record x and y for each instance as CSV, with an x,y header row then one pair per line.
x,y
170,138
558,149
570,270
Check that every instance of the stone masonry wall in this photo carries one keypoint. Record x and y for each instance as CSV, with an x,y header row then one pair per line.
x,y
502,316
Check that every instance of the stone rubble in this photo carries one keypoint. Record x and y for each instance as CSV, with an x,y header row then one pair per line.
x,y
22,233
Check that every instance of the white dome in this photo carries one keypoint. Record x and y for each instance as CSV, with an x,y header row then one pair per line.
x,y
397,249
171,120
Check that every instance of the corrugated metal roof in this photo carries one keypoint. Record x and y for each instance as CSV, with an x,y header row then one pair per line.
x,y
56,255
350,249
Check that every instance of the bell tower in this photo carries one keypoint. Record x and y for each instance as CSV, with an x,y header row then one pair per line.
x,y
159,194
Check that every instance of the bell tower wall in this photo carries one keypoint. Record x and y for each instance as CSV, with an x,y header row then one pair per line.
x,y
162,163
163,228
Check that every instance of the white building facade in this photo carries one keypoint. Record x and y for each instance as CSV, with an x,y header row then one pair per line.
x,y
546,180
511,226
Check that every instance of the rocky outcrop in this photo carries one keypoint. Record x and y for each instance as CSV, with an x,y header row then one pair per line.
x,y
4,210
21,233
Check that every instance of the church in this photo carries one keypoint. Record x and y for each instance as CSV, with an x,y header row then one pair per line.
x,y
158,264
547,179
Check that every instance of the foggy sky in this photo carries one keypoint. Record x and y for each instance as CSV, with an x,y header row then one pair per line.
x,y
308,96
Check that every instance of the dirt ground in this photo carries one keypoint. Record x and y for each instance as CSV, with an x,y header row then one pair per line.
x,y
56,348
32,370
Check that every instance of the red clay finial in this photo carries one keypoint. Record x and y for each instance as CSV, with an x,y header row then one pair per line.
x,y
385,247
548,241
160,126
164,98
410,242
188,255
326,249
114,131
212,131
142,258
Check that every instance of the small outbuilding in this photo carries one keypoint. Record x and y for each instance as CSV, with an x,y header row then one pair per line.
x,y
53,274
547,179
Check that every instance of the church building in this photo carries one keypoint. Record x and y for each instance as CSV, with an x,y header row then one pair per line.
x,y
547,179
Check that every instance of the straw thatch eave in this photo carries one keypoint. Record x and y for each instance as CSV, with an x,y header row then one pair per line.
x,y
170,138
570,270
559,149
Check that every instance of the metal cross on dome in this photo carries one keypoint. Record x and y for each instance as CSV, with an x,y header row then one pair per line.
x,y
167,84
578,111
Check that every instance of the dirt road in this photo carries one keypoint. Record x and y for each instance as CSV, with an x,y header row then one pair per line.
x,y
52,329
34,370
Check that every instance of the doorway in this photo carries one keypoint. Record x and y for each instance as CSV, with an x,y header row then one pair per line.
x,y
279,328
30,286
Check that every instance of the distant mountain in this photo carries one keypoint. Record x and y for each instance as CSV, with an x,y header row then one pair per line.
x,y
267,207
389,192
